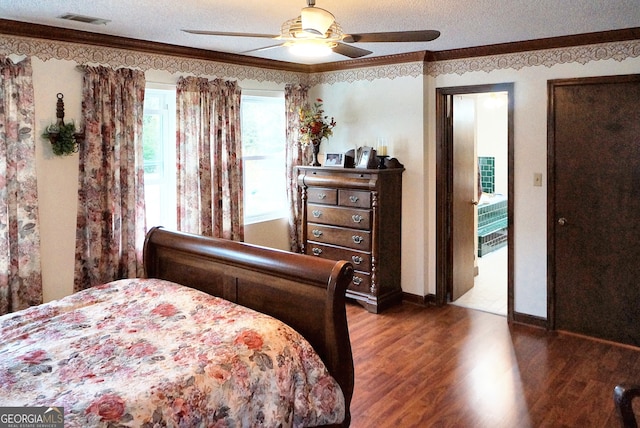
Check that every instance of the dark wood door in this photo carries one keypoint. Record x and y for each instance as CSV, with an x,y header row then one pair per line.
x,y
594,201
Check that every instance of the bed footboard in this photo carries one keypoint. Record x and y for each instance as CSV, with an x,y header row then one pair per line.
x,y
307,293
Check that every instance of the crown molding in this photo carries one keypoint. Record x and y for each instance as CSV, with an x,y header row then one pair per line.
x,y
22,29
117,52
618,51
538,44
376,61
44,32
52,42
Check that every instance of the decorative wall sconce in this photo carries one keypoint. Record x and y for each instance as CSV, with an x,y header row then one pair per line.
x,y
63,136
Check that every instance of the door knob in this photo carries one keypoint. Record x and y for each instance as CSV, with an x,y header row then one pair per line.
x,y
562,221
474,202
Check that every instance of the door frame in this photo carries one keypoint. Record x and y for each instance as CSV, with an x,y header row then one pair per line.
x,y
444,186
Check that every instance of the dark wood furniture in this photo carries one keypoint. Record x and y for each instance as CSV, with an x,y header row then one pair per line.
x,y
355,214
307,293
623,396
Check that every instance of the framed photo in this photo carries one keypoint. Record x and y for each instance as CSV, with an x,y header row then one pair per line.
x,y
365,157
334,159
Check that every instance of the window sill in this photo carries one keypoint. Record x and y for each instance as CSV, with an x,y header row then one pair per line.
x,y
264,218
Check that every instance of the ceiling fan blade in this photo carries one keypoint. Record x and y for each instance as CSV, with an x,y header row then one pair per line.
x,y
266,48
393,36
350,51
222,33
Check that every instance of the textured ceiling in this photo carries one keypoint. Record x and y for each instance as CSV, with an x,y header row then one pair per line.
x,y
461,23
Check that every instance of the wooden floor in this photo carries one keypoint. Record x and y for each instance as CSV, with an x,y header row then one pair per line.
x,y
456,367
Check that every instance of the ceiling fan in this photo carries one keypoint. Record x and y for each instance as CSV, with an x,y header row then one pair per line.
x,y
315,31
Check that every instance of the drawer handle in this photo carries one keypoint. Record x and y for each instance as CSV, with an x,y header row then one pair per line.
x,y
317,233
357,218
356,260
353,199
316,251
316,213
322,196
357,239
357,280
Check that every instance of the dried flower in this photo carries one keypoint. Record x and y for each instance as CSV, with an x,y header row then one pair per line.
x,y
314,124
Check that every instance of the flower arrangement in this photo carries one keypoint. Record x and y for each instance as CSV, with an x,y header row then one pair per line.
x,y
314,124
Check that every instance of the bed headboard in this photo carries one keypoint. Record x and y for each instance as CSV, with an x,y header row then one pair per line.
x,y
307,293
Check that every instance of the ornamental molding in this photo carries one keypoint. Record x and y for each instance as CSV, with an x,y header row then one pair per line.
x,y
114,57
618,51
388,71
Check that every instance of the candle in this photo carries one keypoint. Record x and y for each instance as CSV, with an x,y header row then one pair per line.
x,y
382,150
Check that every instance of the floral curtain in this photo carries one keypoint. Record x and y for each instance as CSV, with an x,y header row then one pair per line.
x,y
209,158
111,213
20,271
295,97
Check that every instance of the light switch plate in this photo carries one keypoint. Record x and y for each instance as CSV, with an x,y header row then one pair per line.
x,y
537,179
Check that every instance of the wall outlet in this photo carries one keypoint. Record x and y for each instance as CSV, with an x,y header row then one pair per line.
x,y
537,179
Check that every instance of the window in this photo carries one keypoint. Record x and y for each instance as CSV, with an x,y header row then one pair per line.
x,y
158,139
264,157
263,140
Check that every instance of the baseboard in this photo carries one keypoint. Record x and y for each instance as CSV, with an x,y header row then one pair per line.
x,y
531,320
428,300
519,318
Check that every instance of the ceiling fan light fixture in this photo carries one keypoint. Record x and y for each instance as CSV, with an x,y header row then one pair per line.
x,y
315,33
313,48
292,30
316,21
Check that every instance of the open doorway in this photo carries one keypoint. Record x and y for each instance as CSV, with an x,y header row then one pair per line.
x,y
474,194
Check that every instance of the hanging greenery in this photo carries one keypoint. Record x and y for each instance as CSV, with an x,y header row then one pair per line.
x,y
62,138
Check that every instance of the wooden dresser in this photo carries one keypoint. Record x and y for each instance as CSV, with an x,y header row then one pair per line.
x,y
355,214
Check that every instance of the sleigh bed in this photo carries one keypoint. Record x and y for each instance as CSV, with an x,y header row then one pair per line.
x,y
266,344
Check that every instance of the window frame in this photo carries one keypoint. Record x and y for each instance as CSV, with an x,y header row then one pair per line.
x,y
167,180
279,212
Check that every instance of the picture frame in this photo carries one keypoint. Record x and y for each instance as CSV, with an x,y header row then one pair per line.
x,y
334,159
365,157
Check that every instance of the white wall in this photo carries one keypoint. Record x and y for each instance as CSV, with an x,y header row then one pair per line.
x,y
392,111
57,176
272,234
491,131
394,103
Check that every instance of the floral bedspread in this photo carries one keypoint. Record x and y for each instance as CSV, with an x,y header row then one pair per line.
x,y
148,353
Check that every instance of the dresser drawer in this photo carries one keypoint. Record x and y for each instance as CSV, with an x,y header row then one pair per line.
x,y
354,198
320,195
352,238
339,216
359,260
361,282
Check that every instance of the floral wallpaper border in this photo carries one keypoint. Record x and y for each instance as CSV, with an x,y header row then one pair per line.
x,y
99,55
86,54
392,71
618,51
